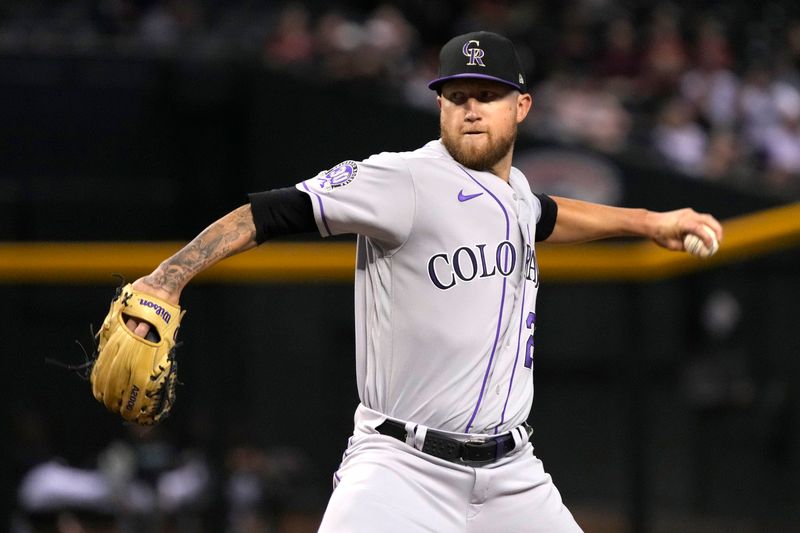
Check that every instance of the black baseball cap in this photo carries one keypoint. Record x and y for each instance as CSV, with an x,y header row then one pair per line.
x,y
480,54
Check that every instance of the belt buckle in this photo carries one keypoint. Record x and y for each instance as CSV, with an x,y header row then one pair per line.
x,y
481,447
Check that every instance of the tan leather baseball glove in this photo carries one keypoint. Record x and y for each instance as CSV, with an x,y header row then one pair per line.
x,y
133,376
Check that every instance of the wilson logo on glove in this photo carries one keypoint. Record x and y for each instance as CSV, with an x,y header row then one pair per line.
x,y
160,311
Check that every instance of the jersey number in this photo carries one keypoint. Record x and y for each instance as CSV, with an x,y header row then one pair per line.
x,y
531,324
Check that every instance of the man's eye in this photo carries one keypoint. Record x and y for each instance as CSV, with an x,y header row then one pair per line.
x,y
487,96
457,98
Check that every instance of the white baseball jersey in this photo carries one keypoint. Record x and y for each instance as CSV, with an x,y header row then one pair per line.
x,y
445,289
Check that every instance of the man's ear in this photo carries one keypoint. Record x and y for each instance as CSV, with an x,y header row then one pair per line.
x,y
524,103
439,101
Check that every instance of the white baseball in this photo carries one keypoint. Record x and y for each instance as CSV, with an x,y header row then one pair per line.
x,y
695,246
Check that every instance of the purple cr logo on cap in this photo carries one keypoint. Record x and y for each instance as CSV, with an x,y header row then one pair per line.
x,y
474,54
338,176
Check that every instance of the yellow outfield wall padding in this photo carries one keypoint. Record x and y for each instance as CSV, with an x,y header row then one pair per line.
x,y
91,262
746,237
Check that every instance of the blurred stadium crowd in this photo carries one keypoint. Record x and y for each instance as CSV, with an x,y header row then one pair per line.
x,y
711,88
151,480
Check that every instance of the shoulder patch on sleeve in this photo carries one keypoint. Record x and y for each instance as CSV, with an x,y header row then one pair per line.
x,y
338,176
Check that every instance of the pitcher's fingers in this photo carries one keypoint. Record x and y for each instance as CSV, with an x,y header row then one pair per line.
x,y
142,329
139,328
715,225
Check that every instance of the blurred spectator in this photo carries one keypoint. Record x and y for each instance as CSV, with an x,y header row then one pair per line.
x,y
379,49
167,24
54,497
679,139
140,483
292,42
579,110
758,113
792,51
710,86
665,55
782,143
415,86
575,50
620,64
723,159
338,38
389,40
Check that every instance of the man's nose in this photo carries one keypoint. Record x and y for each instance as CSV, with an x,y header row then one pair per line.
x,y
471,111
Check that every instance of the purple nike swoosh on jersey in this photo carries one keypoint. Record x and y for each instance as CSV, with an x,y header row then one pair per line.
x,y
464,197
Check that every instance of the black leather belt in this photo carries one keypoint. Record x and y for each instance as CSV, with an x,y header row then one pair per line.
x,y
471,452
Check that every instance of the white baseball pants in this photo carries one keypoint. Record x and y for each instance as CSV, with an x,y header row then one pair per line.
x,y
387,486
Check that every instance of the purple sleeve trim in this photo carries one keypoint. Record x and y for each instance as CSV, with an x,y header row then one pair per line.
x,y
321,208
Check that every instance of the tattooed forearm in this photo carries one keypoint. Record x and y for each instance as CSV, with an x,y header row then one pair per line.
x,y
232,234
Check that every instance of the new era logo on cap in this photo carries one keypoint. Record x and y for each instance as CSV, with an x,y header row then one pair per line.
x,y
488,56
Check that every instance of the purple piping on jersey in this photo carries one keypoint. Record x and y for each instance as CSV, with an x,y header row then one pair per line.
x,y
321,208
519,337
502,303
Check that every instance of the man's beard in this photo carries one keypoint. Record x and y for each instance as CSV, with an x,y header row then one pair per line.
x,y
481,160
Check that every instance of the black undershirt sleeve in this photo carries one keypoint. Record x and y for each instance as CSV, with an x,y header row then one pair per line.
x,y
547,222
281,212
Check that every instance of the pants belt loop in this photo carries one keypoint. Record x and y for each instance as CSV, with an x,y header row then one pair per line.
x,y
520,437
419,437
411,430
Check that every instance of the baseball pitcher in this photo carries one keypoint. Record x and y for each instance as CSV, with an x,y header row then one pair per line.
x,y
445,286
